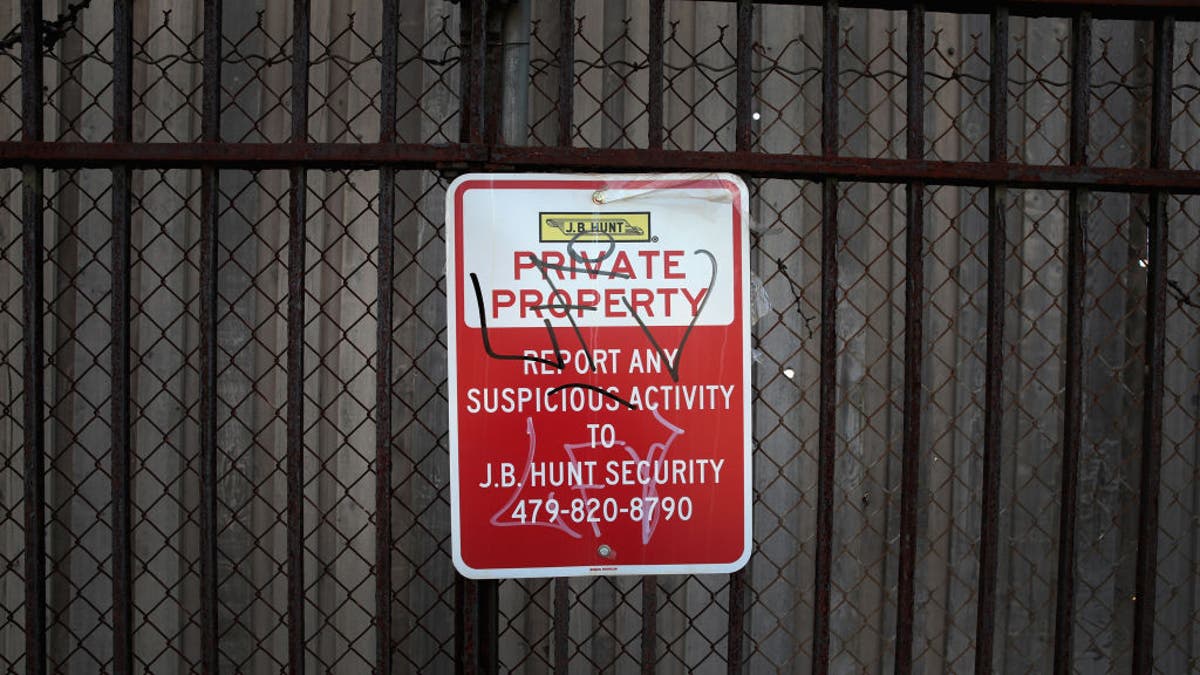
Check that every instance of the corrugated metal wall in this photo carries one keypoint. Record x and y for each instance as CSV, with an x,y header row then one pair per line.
x,y
611,41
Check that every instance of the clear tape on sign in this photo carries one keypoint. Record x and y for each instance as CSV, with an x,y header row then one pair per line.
x,y
760,300
671,190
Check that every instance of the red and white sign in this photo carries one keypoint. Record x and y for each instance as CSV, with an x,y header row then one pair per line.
x,y
599,374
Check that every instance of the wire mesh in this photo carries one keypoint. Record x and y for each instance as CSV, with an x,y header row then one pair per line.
x,y
1035,321
422,575
79,539
1177,538
12,472
166,391
612,91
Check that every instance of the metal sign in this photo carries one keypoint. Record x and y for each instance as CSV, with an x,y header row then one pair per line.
x,y
599,374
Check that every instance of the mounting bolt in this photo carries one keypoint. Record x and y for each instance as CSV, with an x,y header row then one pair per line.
x,y
605,551
598,197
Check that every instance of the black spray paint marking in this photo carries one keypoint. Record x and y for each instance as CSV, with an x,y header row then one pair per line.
x,y
487,343
673,368
537,262
598,390
559,363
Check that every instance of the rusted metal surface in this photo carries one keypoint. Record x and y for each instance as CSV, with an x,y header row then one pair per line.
x,y
744,104
457,158
743,107
210,121
33,333
1146,579
989,539
566,72
119,351
827,439
297,217
1108,9
1064,623
384,374
649,624
562,624
914,340
654,96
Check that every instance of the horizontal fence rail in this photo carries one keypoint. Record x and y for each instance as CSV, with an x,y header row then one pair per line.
x,y
458,158
976,255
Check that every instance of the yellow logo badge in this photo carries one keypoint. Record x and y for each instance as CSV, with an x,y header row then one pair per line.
x,y
604,227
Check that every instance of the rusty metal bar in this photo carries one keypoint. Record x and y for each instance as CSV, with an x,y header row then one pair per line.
x,y
121,422
466,82
493,76
562,609
465,596
297,208
1146,572
458,157
649,624
469,594
655,133
32,308
566,71
827,431
736,637
465,600
1064,610
210,132
745,83
488,635
655,129
993,416
474,36
1107,9
737,619
914,279
387,73
488,590
830,42
249,156
295,422
383,346
564,139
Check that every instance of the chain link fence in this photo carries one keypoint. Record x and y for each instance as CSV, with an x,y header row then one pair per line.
x,y
667,624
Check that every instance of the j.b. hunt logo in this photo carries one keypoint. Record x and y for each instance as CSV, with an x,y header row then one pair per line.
x,y
617,227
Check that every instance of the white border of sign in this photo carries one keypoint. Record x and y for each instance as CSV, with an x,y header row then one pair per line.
x,y
452,377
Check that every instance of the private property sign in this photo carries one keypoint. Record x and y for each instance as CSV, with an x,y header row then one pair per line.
x,y
599,374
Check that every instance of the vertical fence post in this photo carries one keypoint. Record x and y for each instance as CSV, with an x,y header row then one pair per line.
x,y
566,113
487,124
1064,611
32,299
827,429
468,595
1146,575
654,107
993,415
743,102
465,600
297,200
210,132
914,275
654,139
383,348
122,569
474,30
566,70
